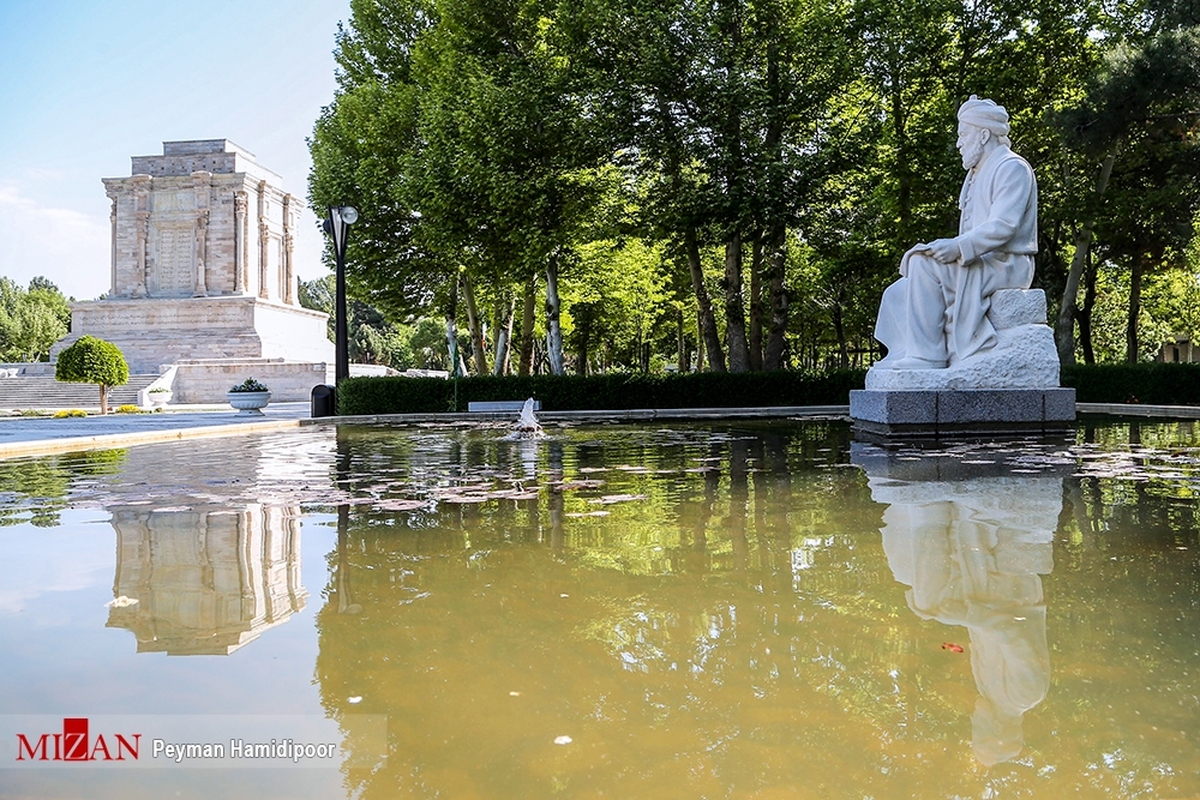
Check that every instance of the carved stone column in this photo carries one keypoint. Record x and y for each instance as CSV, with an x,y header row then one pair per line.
x,y
141,205
264,240
202,186
240,277
201,252
112,218
289,280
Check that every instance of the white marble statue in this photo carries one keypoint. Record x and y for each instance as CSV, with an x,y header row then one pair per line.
x,y
936,315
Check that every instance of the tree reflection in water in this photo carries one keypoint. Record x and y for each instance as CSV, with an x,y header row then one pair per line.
x,y
711,611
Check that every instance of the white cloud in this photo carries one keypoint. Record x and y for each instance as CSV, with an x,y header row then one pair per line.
x,y
39,561
68,246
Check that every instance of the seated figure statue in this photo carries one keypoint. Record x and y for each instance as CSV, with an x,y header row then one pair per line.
x,y
936,316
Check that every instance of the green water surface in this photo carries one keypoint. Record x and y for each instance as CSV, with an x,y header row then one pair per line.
x,y
764,610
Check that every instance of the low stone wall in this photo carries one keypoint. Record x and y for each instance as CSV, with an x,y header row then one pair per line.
x,y
207,382
292,333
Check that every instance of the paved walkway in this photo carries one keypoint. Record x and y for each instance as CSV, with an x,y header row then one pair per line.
x,y
20,436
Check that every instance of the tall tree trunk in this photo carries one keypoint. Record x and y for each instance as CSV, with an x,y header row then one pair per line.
x,y
583,332
1084,313
735,312
904,176
776,233
527,323
708,323
699,344
1135,308
732,283
473,327
756,305
839,328
681,355
503,334
777,266
103,399
554,351
457,367
1064,330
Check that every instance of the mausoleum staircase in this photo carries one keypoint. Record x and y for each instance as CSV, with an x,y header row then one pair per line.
x,y
43,392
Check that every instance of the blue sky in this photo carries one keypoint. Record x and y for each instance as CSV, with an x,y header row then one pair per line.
x,y
86,84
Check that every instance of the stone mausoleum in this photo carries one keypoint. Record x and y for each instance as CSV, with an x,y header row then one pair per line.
x,y
203,285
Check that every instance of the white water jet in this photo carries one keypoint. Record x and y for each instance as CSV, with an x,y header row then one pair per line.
x,y
527,425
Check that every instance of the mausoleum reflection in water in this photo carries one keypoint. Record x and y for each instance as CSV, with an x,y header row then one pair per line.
x,y
205,582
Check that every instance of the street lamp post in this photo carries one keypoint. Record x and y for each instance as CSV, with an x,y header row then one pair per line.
x,y
337,225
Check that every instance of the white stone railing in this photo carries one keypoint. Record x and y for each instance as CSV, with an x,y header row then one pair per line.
x,y
163,381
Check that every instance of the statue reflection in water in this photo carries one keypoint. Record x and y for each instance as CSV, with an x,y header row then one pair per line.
x,y
971,541
205,582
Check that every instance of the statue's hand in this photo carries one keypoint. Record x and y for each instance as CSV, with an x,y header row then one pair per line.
x,y
945,251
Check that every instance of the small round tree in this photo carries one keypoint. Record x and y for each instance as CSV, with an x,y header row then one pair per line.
x,y
92,360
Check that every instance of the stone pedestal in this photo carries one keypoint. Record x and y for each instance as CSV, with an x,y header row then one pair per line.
x,y
153,332
933,414
1010,389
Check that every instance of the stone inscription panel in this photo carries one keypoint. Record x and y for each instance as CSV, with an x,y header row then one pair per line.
x,y
173,272
166,202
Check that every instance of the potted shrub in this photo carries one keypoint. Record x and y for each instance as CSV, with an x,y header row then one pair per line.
x,y
249,397
159,396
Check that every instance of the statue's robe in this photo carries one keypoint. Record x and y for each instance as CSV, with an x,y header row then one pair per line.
x,y
938,312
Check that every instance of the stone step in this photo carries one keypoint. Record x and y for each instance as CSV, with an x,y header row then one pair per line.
x,y
44,393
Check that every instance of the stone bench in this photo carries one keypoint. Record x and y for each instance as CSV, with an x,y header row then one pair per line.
x,y
500,406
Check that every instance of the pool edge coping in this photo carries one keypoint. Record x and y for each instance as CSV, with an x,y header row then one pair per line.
x,y
39,447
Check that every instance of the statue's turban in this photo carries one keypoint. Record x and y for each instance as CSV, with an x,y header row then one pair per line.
x,y
984,114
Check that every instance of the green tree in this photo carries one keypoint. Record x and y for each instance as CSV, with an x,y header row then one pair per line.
x,y
720,110
1138,125
31,320
512,173
92,360
373,339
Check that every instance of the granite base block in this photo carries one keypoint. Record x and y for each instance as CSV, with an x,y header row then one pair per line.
x,y
925,414
913,407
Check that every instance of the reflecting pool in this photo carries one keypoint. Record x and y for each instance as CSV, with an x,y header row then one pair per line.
x,y
759,610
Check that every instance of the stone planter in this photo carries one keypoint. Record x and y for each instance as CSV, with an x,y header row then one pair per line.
x,y
159,399
249,403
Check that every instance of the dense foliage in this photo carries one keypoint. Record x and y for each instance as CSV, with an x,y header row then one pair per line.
x,y
730,184
31,320
92,360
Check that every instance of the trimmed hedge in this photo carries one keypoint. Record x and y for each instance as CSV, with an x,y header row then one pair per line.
x,y
395,395
1156,383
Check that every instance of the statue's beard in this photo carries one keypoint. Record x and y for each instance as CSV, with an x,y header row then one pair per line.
x,y
971,155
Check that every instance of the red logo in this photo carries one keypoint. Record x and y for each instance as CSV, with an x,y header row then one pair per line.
x,y
75,744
